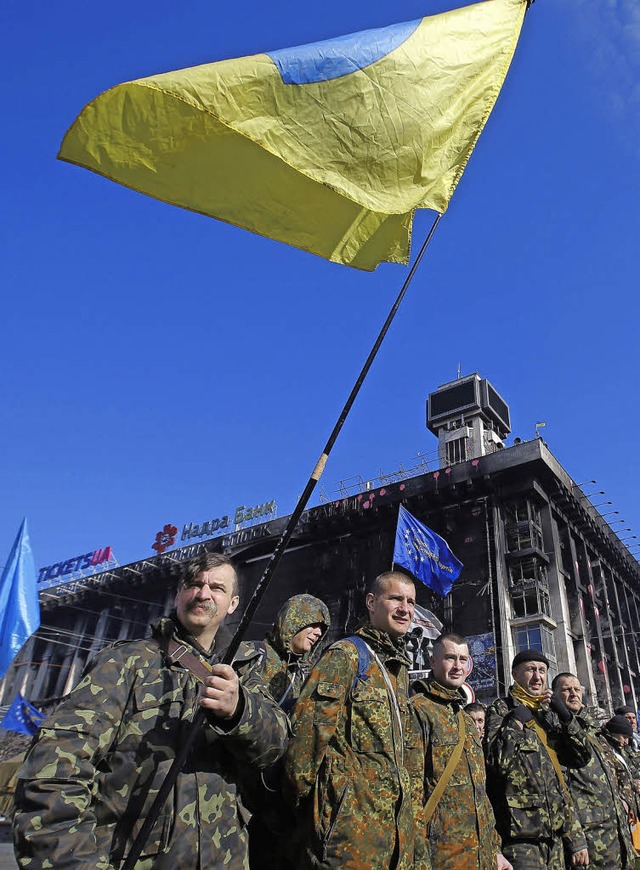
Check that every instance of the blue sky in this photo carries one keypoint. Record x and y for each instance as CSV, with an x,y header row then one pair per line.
x,y
162,367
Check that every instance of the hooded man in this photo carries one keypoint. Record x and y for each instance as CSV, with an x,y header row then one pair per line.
x,y
529,735
290,647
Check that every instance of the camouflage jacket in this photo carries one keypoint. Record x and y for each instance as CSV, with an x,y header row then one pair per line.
x,y
97,763
528,800
283,671
345,767
461,833
603,818
623,770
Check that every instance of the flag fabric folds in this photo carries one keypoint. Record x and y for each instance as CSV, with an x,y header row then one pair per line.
x,y
418,549
19,606
329,147
22,716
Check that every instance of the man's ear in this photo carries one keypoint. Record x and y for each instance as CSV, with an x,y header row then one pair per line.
x,y
369,601
233,604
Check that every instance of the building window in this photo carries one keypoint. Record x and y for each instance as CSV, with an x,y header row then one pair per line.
x,y
531,601
526,572
522,525
456,451
535,636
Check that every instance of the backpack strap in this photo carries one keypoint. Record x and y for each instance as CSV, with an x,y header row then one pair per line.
x,y
364,657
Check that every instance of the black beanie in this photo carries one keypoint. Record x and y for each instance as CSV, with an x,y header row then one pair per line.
x,y
619,725
529,655
620,711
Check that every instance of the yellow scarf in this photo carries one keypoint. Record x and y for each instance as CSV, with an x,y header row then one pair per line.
x,y
534,703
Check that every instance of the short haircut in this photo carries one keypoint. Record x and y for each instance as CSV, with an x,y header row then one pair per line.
x,y
475,707
452,636
379,584
205,562
554,682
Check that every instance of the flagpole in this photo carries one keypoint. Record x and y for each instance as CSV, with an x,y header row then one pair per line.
x,y
261,588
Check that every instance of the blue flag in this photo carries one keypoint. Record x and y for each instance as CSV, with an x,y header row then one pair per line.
x,y
23,717
19,606
425,554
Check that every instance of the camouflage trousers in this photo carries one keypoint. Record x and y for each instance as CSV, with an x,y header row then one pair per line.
x,y
535,854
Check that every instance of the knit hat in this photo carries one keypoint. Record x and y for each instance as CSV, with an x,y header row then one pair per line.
x,y
529,655
621,711
619,725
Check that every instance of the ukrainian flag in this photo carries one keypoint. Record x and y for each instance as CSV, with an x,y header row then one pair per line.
x,y
329,147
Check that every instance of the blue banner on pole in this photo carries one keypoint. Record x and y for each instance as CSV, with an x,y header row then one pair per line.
x,y
427,555
22,717
19,606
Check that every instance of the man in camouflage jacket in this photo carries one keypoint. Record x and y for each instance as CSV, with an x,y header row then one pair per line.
x,y
290,645
460,835
345,768
529,735
594,789
98,762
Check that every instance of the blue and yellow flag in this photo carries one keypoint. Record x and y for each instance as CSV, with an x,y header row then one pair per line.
x,y
19,606
329,147
23,717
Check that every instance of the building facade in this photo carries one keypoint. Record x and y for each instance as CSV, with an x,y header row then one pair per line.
x,y
542,567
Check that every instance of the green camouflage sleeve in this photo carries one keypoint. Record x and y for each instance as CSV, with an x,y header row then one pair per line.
x,y
54,825
319,713
260,736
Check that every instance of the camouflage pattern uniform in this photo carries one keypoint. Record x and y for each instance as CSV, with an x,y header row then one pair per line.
x,y
461,833
272,833
624,774
345,768
596,798
283,671
97,763
534,816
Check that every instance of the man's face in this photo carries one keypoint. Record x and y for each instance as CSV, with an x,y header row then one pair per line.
x,y
532,676
631,717
620,739
392,610
203,603
449,663
478,718
305,639
570,691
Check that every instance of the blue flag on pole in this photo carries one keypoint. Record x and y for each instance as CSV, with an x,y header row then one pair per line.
x,y
23,717
425,554
19,606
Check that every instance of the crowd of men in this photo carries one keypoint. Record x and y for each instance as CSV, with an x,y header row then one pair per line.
x,y
329,761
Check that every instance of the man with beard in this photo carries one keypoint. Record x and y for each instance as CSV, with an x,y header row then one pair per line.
x,y
530,734
594,789
345,771
96,766
460,831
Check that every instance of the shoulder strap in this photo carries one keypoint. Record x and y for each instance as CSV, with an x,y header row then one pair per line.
x,y
443,782
364,657
181,654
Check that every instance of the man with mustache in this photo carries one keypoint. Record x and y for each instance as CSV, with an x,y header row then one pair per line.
x,y
460,832
97,763
346,770
530,735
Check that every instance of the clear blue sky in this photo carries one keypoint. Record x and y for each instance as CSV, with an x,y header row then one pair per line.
x,y
160,367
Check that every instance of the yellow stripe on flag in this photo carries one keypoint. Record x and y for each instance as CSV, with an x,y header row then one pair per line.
x,y
335,167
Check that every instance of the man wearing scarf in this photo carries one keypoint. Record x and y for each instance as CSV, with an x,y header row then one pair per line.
x,y
530,735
